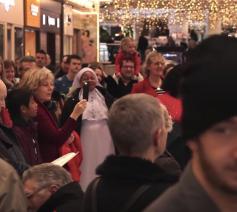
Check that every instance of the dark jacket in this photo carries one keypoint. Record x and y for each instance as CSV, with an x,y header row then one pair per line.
x,y
26,133
73,100
67,199
187,195
121,177
10,150
50,137
118,89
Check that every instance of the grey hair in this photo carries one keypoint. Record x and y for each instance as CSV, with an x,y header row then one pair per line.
x,y
47,173
133,120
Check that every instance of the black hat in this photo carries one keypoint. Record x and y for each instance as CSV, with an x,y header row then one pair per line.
x,y
209,87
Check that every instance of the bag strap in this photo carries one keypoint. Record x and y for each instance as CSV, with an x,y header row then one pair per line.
x,y
93,194
138,193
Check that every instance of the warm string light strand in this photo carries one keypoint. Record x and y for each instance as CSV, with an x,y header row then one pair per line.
x,y
128,12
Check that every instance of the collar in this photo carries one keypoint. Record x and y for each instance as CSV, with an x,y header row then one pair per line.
x,y
133,168
194,192
68,192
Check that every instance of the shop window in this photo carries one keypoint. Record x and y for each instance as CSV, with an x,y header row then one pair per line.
x,y
1,40
18,42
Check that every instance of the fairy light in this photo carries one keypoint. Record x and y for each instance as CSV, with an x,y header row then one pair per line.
x,y
178,11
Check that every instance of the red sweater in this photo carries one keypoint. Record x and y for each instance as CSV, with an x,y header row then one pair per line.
x,y
172,104
50,137
135,57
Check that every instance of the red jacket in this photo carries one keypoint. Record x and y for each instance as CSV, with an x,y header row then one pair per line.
x,y
135,57
50,137
172,104
6,119
73,165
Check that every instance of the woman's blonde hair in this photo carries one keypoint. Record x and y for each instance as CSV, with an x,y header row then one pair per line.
x,y
34,77
149,59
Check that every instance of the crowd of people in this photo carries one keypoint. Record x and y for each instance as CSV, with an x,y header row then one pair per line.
x,y
146,139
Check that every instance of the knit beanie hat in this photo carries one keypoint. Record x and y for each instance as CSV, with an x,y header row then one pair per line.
x,y
209,86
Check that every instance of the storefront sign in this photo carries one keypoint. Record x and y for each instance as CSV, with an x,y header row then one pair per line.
x,y
7,4
50,21
32,13
50,16
34,9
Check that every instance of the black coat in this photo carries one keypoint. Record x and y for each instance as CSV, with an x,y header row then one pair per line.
x,y
11,151
121,176
73,100
67,199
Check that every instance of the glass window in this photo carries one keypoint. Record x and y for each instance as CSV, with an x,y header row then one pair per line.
x,y
18,42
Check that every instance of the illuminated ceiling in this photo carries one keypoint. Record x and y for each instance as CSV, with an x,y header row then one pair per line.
x,y
128,12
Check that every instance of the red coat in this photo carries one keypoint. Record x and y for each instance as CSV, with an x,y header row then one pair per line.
x,y
73,165
172,104
50,137
135,57
6,119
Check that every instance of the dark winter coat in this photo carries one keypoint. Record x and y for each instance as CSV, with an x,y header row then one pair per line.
x,y
67,199
10,150
121,177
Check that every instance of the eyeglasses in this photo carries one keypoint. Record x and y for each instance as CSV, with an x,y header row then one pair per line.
x,y
128,67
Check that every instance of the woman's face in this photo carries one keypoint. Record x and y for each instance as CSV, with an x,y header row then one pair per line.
x,y
10,73
156,67
90,78
44,92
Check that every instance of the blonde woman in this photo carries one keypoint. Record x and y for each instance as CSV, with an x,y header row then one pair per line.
x,y
154,70
41,83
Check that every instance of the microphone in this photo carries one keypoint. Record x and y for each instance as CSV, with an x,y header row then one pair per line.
x,y
85,90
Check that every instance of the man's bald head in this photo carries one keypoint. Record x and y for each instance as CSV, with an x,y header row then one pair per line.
x,y
3,94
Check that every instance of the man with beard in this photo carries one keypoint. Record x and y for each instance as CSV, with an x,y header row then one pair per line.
x,y
209,122
122,86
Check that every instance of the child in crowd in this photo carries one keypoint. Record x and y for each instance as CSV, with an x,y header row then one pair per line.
x,y
127,50
23,108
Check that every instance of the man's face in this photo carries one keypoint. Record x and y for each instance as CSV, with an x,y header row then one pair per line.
x,y
40,60
75,66
35,194
127,69
215,152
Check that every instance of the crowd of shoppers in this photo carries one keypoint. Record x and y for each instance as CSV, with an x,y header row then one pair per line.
x,y
121,128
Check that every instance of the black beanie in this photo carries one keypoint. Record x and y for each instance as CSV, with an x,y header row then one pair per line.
x,y
209,87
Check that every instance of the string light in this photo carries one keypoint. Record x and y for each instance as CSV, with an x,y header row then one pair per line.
x,y
129,12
